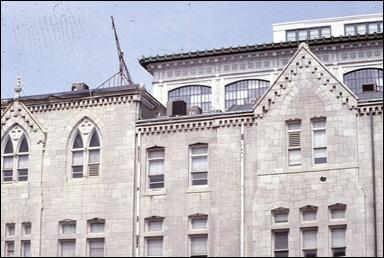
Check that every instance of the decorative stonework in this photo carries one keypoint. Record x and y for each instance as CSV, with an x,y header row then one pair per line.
x,y
16,133
86,127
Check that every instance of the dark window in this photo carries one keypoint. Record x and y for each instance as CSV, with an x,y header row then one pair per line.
x,y
193,95
310,253
308,33
364,80
243,92
281,243
363,28
338,252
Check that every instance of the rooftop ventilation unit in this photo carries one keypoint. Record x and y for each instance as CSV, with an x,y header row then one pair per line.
x,y
79,86
194,110
176,108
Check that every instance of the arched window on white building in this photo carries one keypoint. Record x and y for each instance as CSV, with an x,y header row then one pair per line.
x,y
15,156
85,150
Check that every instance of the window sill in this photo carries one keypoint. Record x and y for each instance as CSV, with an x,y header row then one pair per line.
x,y
149,192
198,189
153,234
202,231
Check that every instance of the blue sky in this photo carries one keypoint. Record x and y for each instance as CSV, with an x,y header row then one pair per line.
x,y
53,44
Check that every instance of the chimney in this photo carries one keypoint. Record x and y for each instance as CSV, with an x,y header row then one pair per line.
x,y
176,108
79,86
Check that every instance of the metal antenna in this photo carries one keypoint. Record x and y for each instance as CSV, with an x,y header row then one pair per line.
x,y
123,70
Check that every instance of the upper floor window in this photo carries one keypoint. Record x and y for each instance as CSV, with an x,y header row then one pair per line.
x,y
199,164
281,243
363,28
365,80
198,221
309,213
338,243
319,135
67,227
337,211
26,228
10,229
86,151
280,215
15,155
154,224
96,225
308,33
156,168
244,92
294,142
193,95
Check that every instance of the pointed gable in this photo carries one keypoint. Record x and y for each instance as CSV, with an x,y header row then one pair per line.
x,y
304,68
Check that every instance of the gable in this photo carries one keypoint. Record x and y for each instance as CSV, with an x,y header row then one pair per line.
x,y
305,71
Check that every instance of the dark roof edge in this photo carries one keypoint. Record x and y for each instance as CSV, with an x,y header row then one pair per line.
x,y
145,61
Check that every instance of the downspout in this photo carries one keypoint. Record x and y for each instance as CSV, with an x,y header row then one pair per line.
x,y
42,192
137,215
373,183
242,173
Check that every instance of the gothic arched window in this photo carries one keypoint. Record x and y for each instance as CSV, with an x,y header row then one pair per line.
x,y
244,92
15,156
86,151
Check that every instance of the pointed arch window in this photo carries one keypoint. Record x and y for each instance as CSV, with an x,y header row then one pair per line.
x,y
15,156
86,151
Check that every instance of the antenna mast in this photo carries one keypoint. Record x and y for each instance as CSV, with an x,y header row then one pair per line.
x,y
123,70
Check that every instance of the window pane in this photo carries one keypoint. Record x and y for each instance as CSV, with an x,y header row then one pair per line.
x,y
8,163
24,146
96,248
156,225
320,155
319,123
95,142
27,227
199,223
7,175
23,161
281,217
361,28
338,237
338,213
303,34
314,34
294,125
156,153
68,248
291,35
199,163
26,248
325,32
155,247
199,150
77,158
77,171
8,147
156,167
319,138
281,240
349,30
10,229
78,143
310,239
200,178
193,96
10,246
310,253
309,215
69,228
338,252
372,27
199,245
94,156
294,157
97,227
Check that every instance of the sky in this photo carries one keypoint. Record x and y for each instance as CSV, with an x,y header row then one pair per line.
x,y
53,44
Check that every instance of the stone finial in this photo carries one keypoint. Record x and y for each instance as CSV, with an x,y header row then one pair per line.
x,y
18,87
303,45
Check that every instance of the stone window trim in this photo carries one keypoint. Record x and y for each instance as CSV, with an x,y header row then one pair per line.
x,y
323,160
280,215
193,95
335,208
67,223
96,226
198,178
86,151
148,231
198,223
15,165
155,180
293,142
308,208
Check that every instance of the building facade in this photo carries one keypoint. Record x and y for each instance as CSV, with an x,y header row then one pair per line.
x,y
285,160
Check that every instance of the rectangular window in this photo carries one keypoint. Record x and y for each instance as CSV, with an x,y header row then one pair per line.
x,y
26,248
199,245
338,241
9,248
154,246
7,169
303,34
77,164
281,243
309,215
350,29
337,213
22,168
67,248
10,229
319,141
94,162
314,34
373,27
309,237
156,168
68,227
291,35
361,28
281,216
199,164
155,224
96,227
96,247
199,222
294,142
26,228
325,32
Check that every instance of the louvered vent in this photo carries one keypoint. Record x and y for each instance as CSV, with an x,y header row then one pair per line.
x,y
94,169
294,139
